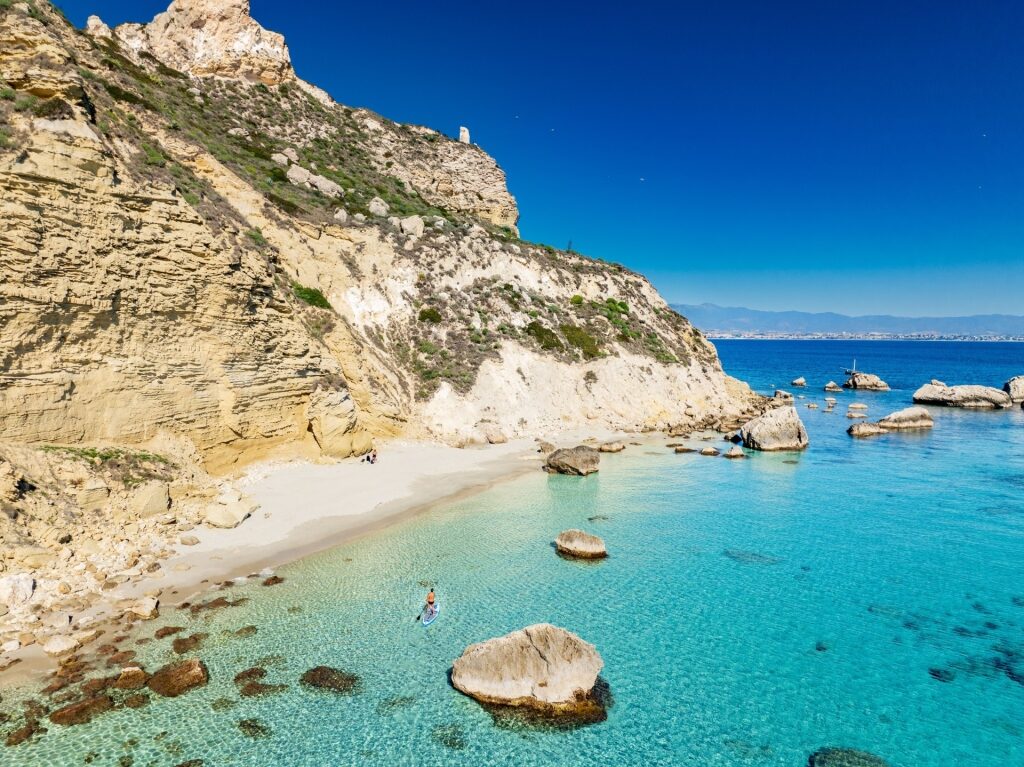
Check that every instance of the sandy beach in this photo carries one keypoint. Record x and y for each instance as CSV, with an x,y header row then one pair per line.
x,y
306,507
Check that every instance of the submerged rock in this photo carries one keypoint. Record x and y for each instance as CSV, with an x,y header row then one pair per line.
x,y
333,679
131,678
176,679
579,461
581,545
611,447
541,667
778,429
751,557
832,386
710,451
844,757
980,397
865,381
183,645
735,452
83,711
254,728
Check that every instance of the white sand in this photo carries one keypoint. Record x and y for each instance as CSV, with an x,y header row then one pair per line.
x,y
306,507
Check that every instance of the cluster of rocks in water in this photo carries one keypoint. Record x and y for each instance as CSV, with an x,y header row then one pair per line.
x,y
99,675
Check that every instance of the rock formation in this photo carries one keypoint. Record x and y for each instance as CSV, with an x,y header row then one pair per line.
x,y
580,460
911,418
242,320
778,429
801,381
541,666
580,545
832,386
865,429
212,38
978,397
867,381
908,418
1015,388
178,678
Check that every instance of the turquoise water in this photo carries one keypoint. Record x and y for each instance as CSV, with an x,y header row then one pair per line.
x,y
750,611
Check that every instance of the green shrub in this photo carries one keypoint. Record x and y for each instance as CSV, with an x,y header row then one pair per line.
x,y
53,109
428,348
7,93
120,94
311,296
576,300
5,4
153,156
5,138
430,314
257,237
546,337
580,339
25,103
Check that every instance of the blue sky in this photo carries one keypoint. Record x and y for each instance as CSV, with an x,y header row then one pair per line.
x,y
855,157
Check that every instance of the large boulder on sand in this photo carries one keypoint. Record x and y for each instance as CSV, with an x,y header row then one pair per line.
x,y
962,396
541,667
778,429
176,679
866,381
1015,388
580,460
581,545
908,418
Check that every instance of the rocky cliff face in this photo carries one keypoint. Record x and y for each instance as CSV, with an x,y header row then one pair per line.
x,y
200,248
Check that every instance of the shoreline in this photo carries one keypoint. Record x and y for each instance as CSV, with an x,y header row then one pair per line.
x,y
306,508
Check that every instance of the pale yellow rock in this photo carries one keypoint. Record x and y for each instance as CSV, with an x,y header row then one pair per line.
x,y
149,500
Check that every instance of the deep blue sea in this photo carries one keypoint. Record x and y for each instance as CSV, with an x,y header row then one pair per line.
x,y
865,594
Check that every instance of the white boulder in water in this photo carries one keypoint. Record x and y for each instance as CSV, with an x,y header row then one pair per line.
x,y
580,460
778,429
1015,388
541,666
867,381
979,397
581,545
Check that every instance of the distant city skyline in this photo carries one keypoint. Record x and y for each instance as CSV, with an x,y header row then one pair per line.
x,y
862,158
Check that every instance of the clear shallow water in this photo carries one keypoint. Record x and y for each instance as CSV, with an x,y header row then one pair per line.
x,y
750,612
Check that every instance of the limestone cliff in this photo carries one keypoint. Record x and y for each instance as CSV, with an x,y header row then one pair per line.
x,y
201,248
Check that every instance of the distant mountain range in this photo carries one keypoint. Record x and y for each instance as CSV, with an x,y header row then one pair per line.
x,y
735,321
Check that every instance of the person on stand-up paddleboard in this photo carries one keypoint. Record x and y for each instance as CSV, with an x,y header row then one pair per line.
x,y
430,602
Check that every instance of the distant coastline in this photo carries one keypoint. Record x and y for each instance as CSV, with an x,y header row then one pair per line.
x,y
715,335
722,322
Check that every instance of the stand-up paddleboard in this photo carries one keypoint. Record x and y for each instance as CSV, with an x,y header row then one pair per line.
x,y
431,616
